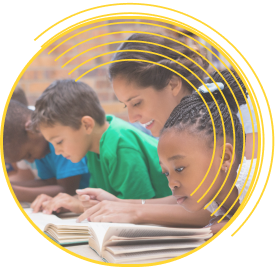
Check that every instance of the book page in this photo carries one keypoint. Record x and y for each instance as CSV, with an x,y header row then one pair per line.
x,y
137,231
62,230
139,256
158,238
67,231
41,219
68,225
60,237
151,247
99,230
164,240
104,231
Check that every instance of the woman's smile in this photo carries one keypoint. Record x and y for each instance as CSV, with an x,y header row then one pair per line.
x,y
148,125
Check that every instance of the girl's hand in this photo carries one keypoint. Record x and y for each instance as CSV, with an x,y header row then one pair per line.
x,y
109,211
62,203
37,203
215,226
90,197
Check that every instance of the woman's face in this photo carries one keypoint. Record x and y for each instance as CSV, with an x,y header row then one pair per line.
x,y
147,105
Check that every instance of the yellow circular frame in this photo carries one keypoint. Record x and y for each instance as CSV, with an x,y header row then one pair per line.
x,y
229,58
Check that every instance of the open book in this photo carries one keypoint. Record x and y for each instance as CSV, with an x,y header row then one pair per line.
x,y
67,232
63,231
123,243
130,243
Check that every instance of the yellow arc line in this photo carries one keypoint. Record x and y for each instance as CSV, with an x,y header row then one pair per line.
x,y
193,87
111,52
115,23
203,24
107,53
111,33
250,194
175,51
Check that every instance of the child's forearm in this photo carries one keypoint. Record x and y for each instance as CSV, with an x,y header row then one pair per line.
x,y
35,183
22,176
29,194
70,184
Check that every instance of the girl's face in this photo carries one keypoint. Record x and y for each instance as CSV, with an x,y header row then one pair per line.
x,y
147,105
185,158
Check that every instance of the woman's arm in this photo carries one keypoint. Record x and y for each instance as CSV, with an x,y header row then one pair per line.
x,y
167,215
92,196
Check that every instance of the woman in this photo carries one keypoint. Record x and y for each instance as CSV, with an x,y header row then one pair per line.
x,y
150,93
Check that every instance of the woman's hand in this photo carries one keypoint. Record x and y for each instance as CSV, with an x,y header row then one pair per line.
x,y
110,211
90,197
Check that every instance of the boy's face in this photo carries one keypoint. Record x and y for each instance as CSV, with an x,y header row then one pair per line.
x,y
33,147
185,159
70,143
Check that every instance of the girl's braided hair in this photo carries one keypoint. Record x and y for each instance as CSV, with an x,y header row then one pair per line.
x,y
192,113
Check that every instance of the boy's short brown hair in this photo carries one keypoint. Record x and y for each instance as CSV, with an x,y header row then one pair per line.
x,y
66,102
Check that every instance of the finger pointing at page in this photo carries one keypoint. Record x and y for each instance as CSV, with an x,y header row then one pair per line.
x,y
97,194
89,212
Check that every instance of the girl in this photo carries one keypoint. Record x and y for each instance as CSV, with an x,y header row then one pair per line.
x,y
150,93
185,150
122,212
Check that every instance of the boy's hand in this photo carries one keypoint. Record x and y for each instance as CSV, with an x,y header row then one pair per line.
x,y
92,196
62,203
110,211
37,203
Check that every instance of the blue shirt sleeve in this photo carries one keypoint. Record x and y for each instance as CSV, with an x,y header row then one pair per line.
x,y
9,167
56,166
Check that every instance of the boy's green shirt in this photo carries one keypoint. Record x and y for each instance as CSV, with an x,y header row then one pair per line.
x,y
128,164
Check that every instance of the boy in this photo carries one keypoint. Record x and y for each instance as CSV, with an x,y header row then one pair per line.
x,y
21,171
57,173
121,159
19,95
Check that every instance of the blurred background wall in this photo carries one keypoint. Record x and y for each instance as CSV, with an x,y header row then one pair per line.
x,y
45,68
